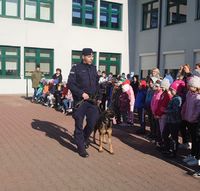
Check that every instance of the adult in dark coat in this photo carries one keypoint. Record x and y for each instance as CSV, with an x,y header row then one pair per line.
x,y
36,77
83,83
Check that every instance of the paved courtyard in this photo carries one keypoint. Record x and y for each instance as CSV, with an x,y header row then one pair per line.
x,y
36,154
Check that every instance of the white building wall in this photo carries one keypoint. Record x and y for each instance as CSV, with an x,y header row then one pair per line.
x,y
63,37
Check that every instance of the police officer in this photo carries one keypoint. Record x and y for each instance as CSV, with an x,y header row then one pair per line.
x,y
83,83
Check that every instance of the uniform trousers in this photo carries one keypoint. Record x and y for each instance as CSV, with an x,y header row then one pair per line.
x,y
82,134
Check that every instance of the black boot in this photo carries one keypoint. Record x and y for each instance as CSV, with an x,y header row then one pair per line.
x,y
82,152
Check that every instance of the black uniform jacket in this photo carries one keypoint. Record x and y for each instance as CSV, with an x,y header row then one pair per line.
x,y
83,78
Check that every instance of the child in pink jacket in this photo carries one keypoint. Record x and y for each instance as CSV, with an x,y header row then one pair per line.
x,y
154,106
163,103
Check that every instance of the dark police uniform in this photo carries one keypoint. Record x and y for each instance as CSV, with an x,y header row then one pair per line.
x,y
83,78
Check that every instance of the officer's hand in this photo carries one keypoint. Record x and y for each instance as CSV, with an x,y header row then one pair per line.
x,y
85,96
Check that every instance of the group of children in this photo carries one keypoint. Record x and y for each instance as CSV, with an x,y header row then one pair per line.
x,y
55,94
172,106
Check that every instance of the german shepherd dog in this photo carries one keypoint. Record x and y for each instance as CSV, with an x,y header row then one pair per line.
x,y
104,126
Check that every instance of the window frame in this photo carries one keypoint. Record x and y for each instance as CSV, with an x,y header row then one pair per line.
x,y
172,72
110,12
38,15
151,11
145,73
37,59
177,5
83,8
108,62
3,10
4,58
198,10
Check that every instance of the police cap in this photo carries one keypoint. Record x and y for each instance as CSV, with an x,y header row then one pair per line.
x,y
87,51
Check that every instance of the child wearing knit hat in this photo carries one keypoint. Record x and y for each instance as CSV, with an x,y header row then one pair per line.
x,y
165,84
191,113
194,83
173,121
154,106
150,92
163,103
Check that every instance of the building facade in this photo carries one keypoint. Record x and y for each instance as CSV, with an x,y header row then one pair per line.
x,y
165,35
126,35
52,33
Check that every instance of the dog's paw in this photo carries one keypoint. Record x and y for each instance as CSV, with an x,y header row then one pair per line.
x,y
111,152
100,150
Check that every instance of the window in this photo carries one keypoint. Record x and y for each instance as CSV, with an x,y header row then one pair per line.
x,y
150,15
10,8
9,62
147,62
84,12
197,57
110,62
40,10
145,73
176,11
77,57
41,57
198,9
172,72
110,15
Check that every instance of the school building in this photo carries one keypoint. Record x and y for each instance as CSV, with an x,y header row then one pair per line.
x,y
126,35
52,33
163,34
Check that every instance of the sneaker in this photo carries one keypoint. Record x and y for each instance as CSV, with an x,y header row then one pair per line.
x,y
197,174
192,162
46,104
69,110
63,111
188,158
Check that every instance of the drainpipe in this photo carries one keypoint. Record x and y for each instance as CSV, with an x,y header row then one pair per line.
x,y
159,33
26,88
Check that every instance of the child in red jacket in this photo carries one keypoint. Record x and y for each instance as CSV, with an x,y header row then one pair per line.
x,y
162,104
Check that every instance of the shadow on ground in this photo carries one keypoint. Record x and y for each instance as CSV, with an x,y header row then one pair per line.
x,y
56,132
127,135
